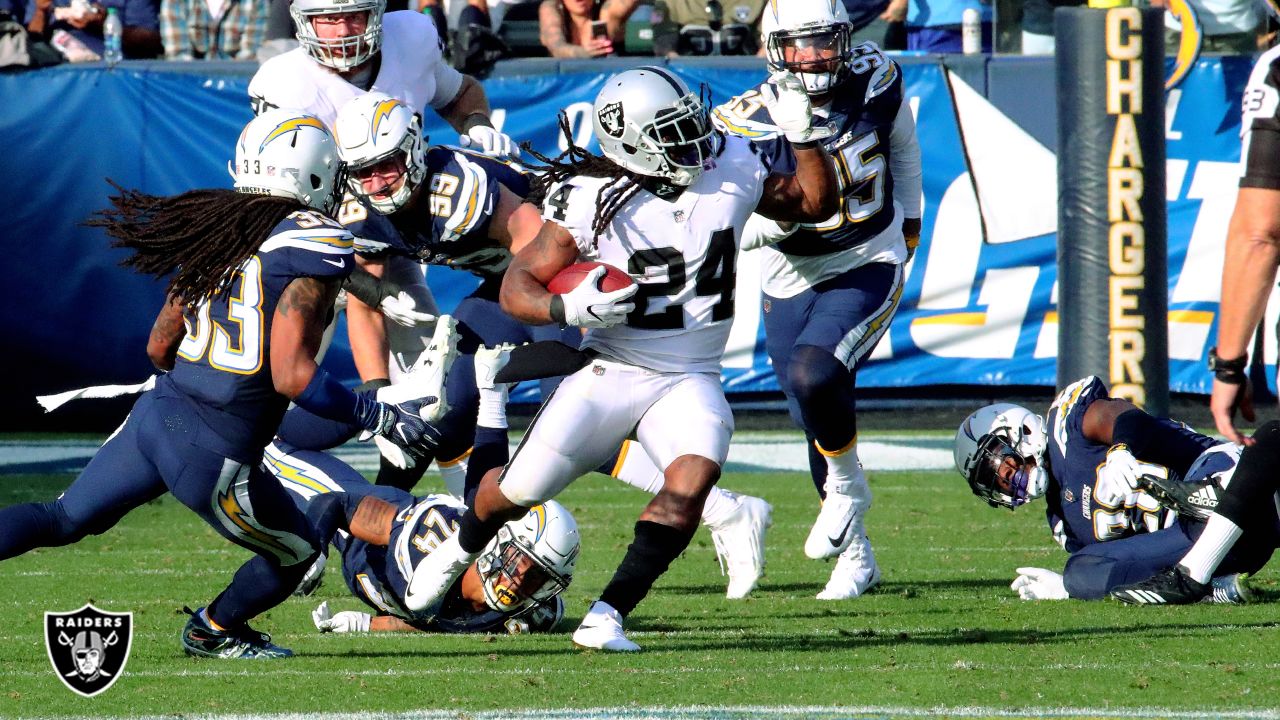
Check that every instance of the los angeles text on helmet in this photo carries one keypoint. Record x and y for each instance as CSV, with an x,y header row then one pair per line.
x,y
1126,246
88,622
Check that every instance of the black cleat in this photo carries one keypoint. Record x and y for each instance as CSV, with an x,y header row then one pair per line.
x,y
1195,500
201,640
1169,587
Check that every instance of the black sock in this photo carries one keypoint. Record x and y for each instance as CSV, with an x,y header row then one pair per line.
x,y
648,557
1248,497
489,452
474,533
402,478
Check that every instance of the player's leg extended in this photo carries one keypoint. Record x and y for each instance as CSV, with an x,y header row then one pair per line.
x,y
687,431
117,480
738,523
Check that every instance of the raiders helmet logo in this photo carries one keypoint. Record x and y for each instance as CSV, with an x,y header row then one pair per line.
x,y
742,13
88,647
610,117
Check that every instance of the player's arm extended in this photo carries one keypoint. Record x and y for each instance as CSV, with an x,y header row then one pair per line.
x,y
296,332
524,294
367,331
166,335
390,623
1110,421
811,195
515,222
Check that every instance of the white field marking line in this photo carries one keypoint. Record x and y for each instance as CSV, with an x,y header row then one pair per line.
x,y
753,712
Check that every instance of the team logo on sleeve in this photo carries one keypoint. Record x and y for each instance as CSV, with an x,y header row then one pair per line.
x,y
610,117
88,647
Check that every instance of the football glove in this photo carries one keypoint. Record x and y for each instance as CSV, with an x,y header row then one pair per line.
x,y
402,310
402,423
1119,479
589,307
1039,584
347,621
489,141
790,108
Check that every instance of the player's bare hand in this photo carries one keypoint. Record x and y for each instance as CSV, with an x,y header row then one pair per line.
x,y
1227,398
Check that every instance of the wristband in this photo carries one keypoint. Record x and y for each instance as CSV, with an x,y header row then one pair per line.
x,y
1228,371
557,310
326,397
476,119
807,145
367,288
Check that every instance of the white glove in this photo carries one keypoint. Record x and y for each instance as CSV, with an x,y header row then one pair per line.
x,y
589,307
1117,484
394,453
346,621
761,231
790,109
485,139
1039,584
402,310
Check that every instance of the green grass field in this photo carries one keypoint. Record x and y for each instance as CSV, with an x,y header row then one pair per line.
x,y
943,634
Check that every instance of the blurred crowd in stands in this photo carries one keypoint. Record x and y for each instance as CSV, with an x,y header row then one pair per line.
x,y
477,33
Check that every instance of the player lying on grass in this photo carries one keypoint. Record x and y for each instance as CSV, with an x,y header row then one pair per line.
x,y
1103,467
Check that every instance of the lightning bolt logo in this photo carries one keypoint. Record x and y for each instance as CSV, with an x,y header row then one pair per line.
x,y
539,512
292,125
383,110
233,512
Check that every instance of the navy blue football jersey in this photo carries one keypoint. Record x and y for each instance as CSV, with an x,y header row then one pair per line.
x,y
1075,516
861,112
224,362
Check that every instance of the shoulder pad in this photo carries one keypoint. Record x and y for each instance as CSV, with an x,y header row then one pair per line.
x,y
313,244
745,116
463,195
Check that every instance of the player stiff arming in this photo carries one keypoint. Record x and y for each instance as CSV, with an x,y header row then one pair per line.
x,y
668,207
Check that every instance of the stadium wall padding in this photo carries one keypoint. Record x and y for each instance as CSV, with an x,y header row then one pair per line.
x,y
972,312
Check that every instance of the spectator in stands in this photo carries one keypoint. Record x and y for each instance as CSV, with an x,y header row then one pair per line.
x,y
707,27
475,12
78,26
213,29
934,25
868,20
584,28
1228,26
1037,25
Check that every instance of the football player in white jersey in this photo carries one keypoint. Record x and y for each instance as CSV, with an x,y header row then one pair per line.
x,y
666,204
831,288
349,47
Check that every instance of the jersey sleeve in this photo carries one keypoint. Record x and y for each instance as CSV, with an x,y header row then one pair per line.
x,y
572,205
275,85
1260,125
463,195
1068,409
311,245
904,161
374,234
448,80
746,116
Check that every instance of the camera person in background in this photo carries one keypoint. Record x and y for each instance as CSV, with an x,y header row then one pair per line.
x,y
707,27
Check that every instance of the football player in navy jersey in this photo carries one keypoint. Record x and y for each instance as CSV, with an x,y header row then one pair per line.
x,y
832,288
253,274
1115,481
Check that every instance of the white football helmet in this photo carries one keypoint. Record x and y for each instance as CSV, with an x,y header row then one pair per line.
x,y
993,434
817,31
288,153
648,121
374,128
341,53
531,560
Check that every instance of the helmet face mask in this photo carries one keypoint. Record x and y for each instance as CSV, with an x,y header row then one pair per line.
x,y
647,121
286,153
812,40
340,52
1000,450
380,136
531,560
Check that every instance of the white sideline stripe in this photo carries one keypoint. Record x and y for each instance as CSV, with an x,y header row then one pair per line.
x,y
753,712
749,452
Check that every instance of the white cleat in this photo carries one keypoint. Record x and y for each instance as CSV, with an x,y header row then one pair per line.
x,y
840,519
601,629
428,376
739,542
489,361
436,573
855,573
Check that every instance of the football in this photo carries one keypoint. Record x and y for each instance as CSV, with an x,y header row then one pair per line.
x,y
570,277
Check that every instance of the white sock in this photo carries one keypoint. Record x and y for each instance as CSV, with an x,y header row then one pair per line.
x,y
844,469
637,469
493,407
454,474
1214,544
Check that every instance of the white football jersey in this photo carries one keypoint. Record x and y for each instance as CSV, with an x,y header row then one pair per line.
x,y
412,70
682,253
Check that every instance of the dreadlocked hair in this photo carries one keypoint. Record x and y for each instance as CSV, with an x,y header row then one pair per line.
x,y
200,238
578,161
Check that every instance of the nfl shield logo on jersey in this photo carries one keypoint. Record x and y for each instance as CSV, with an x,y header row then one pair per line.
x,y
611,119
88,647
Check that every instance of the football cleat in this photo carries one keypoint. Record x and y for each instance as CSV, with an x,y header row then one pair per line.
x,y
840,519
1231,590
855,572
739,543
428,376
1195,500
601,629
201,640
489,361
1170,586
436,573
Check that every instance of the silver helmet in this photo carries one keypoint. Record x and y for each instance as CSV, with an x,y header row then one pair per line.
x,y
531,560
373,129
649,122
994,434
341,53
